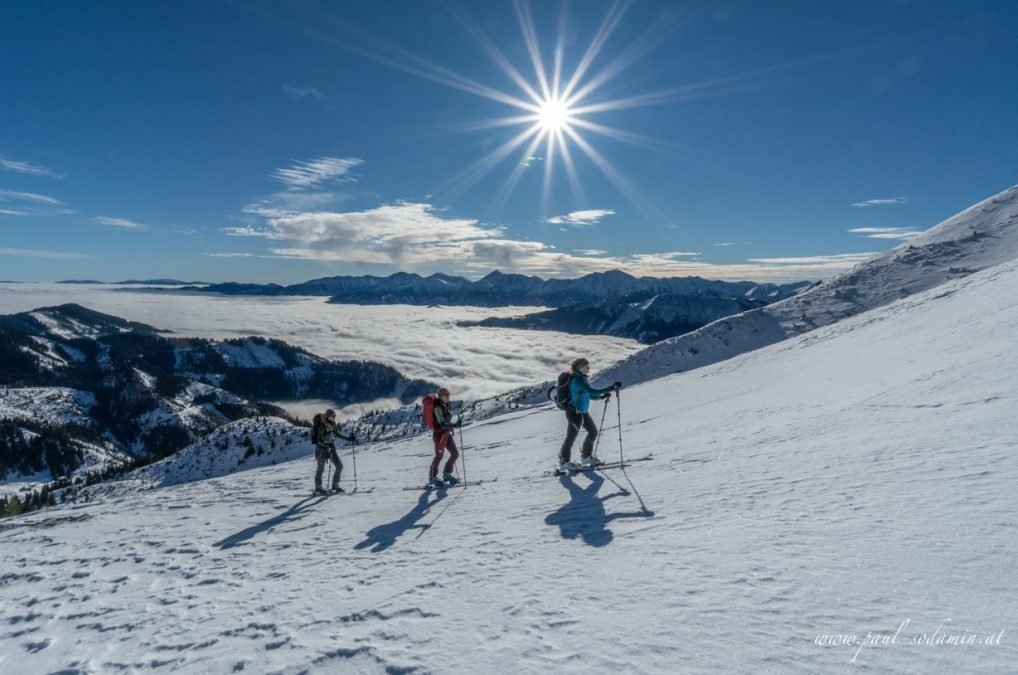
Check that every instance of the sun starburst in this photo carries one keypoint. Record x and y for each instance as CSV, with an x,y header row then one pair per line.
x,y
554,115
553,109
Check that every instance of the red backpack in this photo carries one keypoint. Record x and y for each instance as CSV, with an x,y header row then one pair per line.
x,y
429,411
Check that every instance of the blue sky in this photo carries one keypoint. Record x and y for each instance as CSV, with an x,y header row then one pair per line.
x,y
282,141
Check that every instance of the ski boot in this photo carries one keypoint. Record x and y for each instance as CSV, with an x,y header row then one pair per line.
x,y
590,461
566,467
450,479
319,492
436,483
337,490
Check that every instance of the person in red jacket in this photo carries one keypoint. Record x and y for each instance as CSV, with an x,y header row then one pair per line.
x,y
442,435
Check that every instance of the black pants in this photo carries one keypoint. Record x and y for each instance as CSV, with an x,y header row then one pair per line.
x,y
576,420
323,455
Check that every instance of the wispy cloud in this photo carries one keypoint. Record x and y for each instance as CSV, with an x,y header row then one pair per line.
x,y
581,218
850,258
902,233
30,168
15,203
725,243
120,223
230,255
304,175
882,202
302,92
527,161
12,195
591,251
283,203
35,253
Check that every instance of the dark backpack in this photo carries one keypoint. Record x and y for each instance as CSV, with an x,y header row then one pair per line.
x,y
316,426
428,412
559,393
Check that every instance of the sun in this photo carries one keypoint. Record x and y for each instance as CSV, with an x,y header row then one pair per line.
x,y
553,108
554,115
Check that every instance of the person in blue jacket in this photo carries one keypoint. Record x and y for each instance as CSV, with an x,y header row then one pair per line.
x,y
580,393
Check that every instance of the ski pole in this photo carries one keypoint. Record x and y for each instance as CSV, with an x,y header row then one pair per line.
x,y
618,406
597,443
353,444
329,459
463,452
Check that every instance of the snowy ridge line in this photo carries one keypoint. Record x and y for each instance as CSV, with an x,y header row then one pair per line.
x,y
978,238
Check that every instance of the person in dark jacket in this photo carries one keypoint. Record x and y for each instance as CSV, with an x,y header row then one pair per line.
x,y
442,435
578,415
326,431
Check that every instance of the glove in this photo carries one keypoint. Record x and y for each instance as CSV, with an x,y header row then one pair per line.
x,y
332,446
351,438
458,424
617,385
606,396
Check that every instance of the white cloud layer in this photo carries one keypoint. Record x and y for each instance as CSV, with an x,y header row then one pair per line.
x,y
473,362
581,218
419,236
902,233
305,175
119,223
881,202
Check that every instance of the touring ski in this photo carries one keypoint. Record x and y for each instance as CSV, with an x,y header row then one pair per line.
x,y
599,467
429,486
344,493
356,491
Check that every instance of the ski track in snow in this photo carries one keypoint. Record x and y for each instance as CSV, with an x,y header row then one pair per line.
x,y
839,482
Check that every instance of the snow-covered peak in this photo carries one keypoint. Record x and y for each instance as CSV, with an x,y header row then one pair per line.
x,y
979,237
72,321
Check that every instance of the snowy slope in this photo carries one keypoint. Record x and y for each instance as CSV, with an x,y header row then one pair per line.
x,y
47,404
842,482
237,446
979,237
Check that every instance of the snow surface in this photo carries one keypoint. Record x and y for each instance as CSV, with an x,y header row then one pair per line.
x,y
838,483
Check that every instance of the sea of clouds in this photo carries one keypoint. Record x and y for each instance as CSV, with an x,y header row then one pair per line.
x,y
423,342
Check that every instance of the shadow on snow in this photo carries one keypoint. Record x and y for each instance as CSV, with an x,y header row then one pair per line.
x,y
584,516
382,537
295,512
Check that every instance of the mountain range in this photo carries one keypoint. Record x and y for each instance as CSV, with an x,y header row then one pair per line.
x,y
499,290
646,321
